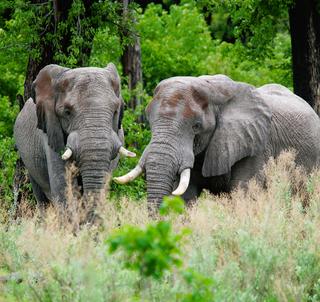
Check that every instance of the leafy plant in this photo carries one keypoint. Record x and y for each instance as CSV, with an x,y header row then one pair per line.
x,y
171,204
153,250
150,251
200,287
173,43
137,136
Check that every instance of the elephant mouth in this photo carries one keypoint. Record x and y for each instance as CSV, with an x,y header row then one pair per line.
x,y
183,175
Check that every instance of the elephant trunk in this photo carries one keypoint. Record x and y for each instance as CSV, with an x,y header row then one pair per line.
x,y
94,166
95,152
161,173
164,164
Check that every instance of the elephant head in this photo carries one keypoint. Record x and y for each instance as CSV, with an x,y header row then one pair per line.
x,y
212,116
80,110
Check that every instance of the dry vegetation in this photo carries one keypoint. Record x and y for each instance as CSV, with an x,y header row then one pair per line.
x,y
263,245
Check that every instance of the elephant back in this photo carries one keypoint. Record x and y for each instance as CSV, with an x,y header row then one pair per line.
x,y
294,126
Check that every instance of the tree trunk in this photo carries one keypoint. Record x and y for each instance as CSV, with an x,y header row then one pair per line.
x,y
131,62
60,9
305,39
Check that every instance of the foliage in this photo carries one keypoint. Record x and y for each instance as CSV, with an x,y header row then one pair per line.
x,y
137,136
106,47
8,157
255,23
7,117
231,59
151,251
35,26
200,287
174,43
171,204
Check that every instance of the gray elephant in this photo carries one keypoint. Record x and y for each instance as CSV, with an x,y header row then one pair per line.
x,y
217,134
75,113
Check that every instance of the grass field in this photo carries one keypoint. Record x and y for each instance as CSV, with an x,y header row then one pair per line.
x,y
263,245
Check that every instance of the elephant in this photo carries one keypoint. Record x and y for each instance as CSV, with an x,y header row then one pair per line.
x,y
73,115
210,132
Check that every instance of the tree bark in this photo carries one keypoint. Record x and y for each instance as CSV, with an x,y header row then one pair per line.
x,y
59,13
305,40
131,62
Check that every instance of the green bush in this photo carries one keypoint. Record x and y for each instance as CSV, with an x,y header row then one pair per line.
x,y
152,250
174,43
178,42
233,60
8,114
8,157
137,136
200,287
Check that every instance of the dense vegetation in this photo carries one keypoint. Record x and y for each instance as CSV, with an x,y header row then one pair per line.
x,y
263,246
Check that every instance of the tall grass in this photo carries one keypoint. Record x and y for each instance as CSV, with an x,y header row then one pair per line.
x,y
259,245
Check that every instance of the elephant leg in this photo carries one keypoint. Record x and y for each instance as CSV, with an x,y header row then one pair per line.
x,y
56,172
245,170
194,188
192,193
42,200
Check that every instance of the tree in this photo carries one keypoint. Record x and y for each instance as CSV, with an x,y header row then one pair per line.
x,y
64,33
305,40
131,58
256,24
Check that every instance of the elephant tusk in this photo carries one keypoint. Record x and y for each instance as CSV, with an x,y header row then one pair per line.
x,y
67,154
183,184
123,151
133,174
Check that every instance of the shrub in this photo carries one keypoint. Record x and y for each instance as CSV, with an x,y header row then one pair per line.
x,y
174,43
153,250
8,157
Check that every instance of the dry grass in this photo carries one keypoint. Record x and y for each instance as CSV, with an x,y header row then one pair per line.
x,y
260,245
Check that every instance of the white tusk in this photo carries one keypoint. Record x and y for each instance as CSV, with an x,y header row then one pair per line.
x,y
133,174
123,151
183,184
67,154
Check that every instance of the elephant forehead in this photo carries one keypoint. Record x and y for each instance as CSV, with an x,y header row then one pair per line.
x,y
82,81
187,103
171,104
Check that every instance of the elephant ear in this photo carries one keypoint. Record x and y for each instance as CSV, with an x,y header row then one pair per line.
x,y
242,128
114,78
44,96
116,85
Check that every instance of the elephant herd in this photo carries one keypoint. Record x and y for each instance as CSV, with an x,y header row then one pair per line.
x,y
208,132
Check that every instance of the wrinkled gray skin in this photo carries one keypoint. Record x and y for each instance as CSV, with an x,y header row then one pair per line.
x,y
77,108
225,131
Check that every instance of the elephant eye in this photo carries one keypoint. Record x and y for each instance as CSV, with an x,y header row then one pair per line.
x,y
67,111
196,127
